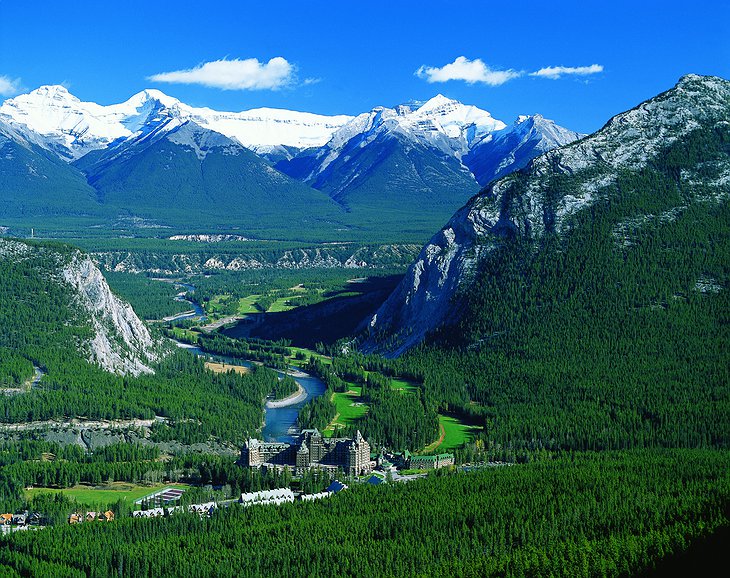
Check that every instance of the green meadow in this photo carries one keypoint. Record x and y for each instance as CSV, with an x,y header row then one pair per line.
x,y
455,434
350,408
106,495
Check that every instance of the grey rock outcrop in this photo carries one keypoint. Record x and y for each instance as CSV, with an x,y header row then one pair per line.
x,y
121,343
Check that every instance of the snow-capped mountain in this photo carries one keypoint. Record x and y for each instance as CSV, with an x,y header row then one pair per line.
x,y
180,168
442,124
426,156
72,128
182,172
168,171
497,154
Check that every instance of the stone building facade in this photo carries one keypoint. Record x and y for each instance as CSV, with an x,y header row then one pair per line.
x,y
312,450
412,462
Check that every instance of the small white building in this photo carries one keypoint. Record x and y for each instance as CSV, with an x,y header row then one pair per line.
x,y
313,497
267,497
152,513
203,509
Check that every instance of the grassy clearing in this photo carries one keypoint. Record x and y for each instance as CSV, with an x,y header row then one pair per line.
x,y
350,408
307,353
403,386
184,334
225,367
248,305
105,496
455,434
281,304
218,305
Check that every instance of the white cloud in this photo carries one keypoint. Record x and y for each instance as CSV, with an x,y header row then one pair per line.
x,y
555,72
470,71
248,74
9,86
473,71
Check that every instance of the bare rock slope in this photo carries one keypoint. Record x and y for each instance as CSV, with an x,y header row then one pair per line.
x,y
116,339
121,343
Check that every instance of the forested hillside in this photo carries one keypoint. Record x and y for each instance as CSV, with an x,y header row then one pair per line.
x,y
44,326
612,335
582,515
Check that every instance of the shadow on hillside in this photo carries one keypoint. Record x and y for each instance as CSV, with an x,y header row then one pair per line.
x,y
325,322
704,557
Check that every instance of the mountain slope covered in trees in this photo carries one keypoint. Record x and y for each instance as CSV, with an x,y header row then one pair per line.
x,y
53,308
661,165
183,173
36,183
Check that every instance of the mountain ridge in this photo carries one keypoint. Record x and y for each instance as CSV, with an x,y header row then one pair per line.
x,y
543,200
365,173
423,156
73,128
106,330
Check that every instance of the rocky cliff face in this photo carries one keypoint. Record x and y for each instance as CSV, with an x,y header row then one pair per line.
x,y
111,333
121,343
543,198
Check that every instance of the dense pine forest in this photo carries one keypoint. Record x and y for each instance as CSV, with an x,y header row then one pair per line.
x,y
583,514
151,299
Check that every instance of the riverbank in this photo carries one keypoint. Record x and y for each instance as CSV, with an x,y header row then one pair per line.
x,y
280,416
296,397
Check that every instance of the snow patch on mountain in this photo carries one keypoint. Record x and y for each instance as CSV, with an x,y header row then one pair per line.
x,y
263,130
72,128
202,142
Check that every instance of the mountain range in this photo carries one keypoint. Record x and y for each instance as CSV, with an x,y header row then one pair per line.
x,y
634,213
158,161
439,150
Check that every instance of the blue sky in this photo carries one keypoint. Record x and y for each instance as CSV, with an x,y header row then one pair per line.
x,y
346,57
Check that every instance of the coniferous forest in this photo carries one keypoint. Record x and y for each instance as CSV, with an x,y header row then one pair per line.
x,y
592,364
584,514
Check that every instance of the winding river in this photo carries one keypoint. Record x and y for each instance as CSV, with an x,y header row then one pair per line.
x,y
280,423
198,311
